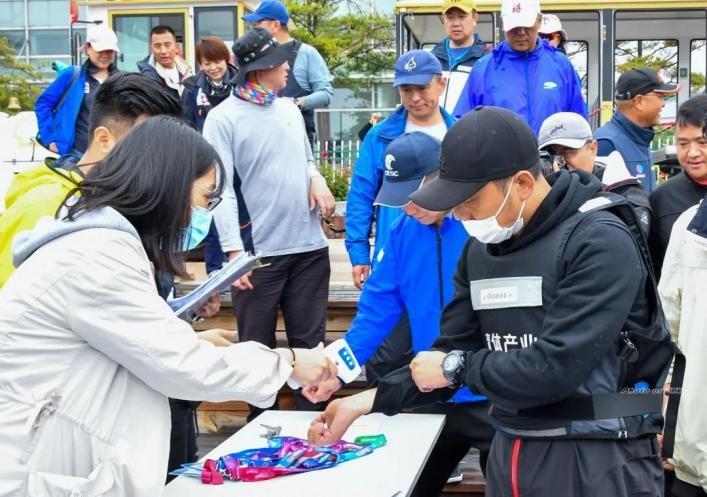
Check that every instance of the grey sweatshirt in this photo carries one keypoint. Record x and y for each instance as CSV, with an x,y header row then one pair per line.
x,y
268,148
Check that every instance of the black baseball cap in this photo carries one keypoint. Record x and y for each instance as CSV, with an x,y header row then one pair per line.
x,y
257,50
642,81
488,143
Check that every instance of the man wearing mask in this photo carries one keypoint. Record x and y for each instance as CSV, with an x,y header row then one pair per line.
x,y
546,291
163,64
687,188
640,97
309,83
460,49
544,81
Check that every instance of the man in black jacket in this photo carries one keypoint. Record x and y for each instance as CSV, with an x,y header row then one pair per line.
x,y
687,188
544,293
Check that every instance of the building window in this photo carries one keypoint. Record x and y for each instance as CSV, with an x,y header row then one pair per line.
x,y
216,21
12,14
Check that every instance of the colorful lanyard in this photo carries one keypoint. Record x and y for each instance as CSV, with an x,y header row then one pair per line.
x,y
283,456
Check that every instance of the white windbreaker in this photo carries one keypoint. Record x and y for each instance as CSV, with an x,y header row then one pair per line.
x,y
683,292
89,353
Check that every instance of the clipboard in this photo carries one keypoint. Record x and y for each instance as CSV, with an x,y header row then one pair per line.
x,y
186,307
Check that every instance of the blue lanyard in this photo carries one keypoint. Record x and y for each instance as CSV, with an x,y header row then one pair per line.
x,y
453,62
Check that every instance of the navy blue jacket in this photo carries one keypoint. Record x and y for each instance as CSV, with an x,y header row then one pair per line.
x,y
198,98
533,84
365,183
414,276
633,143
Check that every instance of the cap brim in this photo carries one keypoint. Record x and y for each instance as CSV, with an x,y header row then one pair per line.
x,y
443,195
524,20
396,194
565,142
413,79
275,58
667,88
101,47
253,17
463,9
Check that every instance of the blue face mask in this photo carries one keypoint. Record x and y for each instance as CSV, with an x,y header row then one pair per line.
x,y
198,228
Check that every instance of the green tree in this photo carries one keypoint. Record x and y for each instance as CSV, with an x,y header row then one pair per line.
x,y
356,42
15,79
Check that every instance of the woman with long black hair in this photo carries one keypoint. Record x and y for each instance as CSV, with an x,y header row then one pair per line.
x,y
89,352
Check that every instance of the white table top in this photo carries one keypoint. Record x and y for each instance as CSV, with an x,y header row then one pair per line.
x,y
389,471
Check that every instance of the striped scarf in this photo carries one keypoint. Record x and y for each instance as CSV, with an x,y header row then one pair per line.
x,y
258,94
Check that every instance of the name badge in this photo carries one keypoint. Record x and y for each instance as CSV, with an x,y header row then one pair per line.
x,y
501,293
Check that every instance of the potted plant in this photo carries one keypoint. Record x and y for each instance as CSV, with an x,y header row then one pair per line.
x,y
338,180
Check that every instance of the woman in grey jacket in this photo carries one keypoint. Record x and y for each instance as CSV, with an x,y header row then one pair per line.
x,y
89,352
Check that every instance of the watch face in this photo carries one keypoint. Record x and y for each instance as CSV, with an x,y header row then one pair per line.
x,y
451,362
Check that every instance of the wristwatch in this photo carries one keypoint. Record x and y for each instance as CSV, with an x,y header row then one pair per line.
x,y
453,366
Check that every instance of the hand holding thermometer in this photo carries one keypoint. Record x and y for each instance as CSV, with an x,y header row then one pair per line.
x,y
339,352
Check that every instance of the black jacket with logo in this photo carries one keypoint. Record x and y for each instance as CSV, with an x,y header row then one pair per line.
x,y
560,341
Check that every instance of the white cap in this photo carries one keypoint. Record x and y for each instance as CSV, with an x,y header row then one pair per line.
x,y
564,128
101,38
551,24
519,13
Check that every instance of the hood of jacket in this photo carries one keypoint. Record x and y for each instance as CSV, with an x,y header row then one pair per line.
x,y
38,176
476,51
568,193
394,125
698,226
49,229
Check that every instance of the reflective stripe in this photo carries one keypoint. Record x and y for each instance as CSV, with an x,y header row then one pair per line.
x,y
514,468
501,293
554,432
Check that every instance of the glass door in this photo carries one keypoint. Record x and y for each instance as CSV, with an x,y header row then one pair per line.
x,y
133,30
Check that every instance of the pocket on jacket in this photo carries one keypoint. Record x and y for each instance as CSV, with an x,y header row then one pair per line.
x,y
44,484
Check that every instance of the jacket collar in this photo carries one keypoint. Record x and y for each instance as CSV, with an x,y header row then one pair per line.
x,y
394,125
476,51
503,49
644,136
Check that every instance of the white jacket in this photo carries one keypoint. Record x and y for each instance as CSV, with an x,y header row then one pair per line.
x,y
89,353
683,292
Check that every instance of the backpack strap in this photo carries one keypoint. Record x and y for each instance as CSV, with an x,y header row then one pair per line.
x,y
65,95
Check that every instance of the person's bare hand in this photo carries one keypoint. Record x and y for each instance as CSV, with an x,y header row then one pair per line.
x,y
331,425
319,194
211,307
360,274
243,283
426,370
321,391
666,465
217,336
312,366
53,148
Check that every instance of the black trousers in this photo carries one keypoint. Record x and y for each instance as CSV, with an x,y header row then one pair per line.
x,y
182,441
298,284
683,489
552,468
466,425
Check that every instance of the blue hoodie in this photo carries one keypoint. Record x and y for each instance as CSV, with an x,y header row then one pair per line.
x,y
533,84
414,275
365,183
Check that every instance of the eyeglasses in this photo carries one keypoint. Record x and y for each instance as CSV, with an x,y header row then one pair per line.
x,y
214,199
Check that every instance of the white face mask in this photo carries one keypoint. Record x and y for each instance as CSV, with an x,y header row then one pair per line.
x,y
489,231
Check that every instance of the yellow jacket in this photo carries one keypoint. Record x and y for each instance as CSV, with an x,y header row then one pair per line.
x,y
33,194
